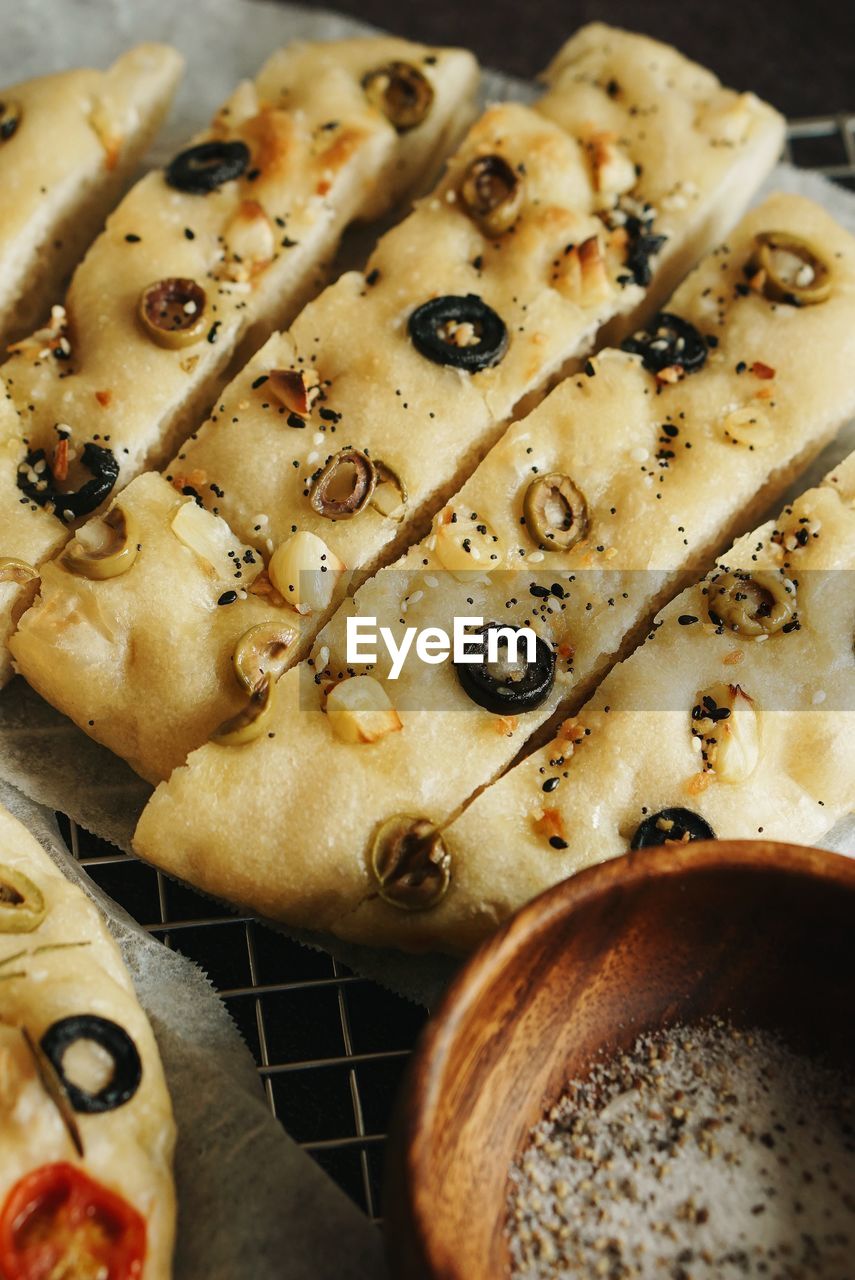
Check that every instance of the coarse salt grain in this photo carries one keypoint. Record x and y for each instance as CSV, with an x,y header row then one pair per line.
x,y
710,1153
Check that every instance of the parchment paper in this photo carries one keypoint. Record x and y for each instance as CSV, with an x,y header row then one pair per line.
x,y
294,1212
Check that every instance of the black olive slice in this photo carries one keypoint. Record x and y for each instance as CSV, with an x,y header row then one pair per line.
x,y
513,690
671,826
670,341
461,331
127,1067
201,169
96,458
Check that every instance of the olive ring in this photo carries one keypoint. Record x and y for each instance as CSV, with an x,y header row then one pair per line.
x,y
427,322
172,311
671,340
97,459
127,1067
508,695
671,826
207,166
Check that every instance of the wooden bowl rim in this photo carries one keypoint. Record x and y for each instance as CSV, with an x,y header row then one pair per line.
x,y
415,1118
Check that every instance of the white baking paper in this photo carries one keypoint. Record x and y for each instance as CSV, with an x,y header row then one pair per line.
x,y
41,752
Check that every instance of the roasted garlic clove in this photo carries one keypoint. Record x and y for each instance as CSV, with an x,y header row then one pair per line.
x,y
104,548
725,721
304,570
491,192
401,92
751,604
786,268
252,720
344,486
360,710
410,863
262,652
172,311
556,514
22,904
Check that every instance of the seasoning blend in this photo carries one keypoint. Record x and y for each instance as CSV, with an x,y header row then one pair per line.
x,y
701,1152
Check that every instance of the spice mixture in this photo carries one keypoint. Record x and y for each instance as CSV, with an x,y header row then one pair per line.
x,y
702,1152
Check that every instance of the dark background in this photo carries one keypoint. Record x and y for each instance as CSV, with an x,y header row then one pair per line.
x,y
799,54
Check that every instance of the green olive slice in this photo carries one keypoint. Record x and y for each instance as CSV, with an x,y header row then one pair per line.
x,y
556,514
11,112
252,720
792,271
17,571
22,904
752,604
344,486
401,92
114,555
492,194
410,863
261,652
172,311
390,492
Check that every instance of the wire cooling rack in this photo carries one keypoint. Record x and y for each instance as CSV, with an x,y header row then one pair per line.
x,y
330,1046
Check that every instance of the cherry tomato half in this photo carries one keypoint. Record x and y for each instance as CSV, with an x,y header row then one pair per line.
x,y
58,1222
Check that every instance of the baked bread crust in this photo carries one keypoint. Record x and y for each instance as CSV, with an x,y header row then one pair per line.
x,y
254,462
72,966
631,751
80,137
664,482
322,155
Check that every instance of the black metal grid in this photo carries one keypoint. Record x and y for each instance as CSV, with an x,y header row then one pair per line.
x,y
330,1046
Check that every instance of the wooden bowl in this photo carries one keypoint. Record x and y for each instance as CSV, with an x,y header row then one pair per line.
x,y
761,933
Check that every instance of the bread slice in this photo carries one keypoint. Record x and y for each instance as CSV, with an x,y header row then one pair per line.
x,y
58,962
664,467
779,766
70,144
322,155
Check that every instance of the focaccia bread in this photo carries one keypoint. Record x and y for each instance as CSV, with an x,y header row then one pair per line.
x,y
215,251
610,76
653,469
68,145
86,1126
349,391
727,722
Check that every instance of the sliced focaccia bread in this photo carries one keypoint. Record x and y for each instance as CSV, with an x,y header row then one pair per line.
x,y
536,237
734,720
68,144
606,84
100,642
218,249
86,1126
596,507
